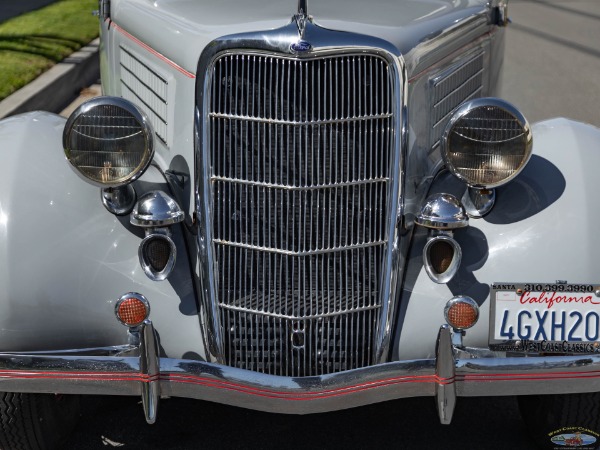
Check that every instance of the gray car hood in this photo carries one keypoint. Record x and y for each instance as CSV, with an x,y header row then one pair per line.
x,y
180,29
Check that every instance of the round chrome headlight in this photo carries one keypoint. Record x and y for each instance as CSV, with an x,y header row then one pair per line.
x,y
108,141
486,143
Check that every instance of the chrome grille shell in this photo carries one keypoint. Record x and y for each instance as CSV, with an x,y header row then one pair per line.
x,y
298,227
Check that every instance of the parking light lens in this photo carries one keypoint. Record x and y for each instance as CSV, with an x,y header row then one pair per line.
x,y
461,312
132,309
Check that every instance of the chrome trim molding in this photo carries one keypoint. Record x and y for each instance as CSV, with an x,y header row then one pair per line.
x,y
210,323
452,373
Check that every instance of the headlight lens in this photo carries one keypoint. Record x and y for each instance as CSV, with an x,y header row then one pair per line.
x,y
486,143
108,141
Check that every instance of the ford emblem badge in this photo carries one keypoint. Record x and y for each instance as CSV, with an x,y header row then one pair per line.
x,y
300,47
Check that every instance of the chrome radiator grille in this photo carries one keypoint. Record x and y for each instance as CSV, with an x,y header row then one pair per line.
x,y
300,159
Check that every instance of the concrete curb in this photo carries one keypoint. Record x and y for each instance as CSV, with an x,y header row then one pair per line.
x,y
55,89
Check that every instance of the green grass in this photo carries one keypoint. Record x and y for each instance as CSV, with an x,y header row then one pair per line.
x,y
35,41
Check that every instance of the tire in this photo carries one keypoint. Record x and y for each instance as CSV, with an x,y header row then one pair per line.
x,y
36,421
553,420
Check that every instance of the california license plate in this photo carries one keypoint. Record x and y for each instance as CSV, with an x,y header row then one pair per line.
x,y
545,317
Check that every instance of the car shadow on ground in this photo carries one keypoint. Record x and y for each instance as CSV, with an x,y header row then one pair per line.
x,y
118,422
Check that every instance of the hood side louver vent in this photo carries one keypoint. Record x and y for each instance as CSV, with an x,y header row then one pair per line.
x,y
147,88
449,89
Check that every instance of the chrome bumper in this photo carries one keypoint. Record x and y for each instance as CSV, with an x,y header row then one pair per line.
x,y
455,372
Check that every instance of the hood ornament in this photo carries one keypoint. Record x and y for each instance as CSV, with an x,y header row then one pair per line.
x,y
301,18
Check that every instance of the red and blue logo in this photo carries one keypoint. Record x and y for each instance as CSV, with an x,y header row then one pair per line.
x,y
573,438
300,47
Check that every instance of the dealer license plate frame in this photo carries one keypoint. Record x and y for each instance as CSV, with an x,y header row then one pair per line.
x,y
525,296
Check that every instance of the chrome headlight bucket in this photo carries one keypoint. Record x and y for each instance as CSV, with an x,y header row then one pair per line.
x,y
486,143
108,142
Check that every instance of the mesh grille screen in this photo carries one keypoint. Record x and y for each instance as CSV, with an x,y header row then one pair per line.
x,y
158,252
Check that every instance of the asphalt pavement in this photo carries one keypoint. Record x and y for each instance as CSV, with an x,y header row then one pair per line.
x,y
408,424
552,59
13,8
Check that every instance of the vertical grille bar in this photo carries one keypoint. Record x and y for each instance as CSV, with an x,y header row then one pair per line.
x,y
300,151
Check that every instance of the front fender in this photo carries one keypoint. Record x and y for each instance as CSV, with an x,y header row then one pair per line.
x,y
65,260
543,228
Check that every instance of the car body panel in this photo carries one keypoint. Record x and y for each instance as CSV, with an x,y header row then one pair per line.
x,y
66,260
189,25
534,233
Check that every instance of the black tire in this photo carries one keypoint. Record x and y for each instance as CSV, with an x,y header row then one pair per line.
x,y
553,419
36,421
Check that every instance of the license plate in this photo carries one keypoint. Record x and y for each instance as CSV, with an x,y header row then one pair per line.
x,y
545,317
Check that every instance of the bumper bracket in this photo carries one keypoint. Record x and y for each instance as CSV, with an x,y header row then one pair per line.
x,y
150,371
445,391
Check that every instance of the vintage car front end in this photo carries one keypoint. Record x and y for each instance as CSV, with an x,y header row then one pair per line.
x,y
299,215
